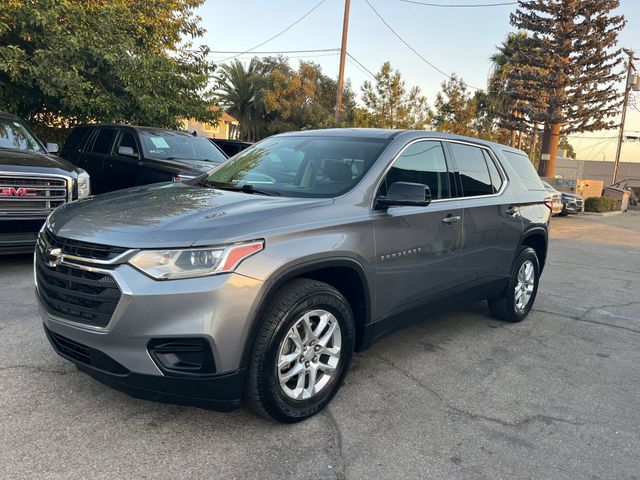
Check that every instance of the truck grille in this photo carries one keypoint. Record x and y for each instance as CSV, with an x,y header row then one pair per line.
x,y
78,248
76,294
31,197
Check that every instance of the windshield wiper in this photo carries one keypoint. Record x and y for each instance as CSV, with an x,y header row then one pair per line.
x,y
246,188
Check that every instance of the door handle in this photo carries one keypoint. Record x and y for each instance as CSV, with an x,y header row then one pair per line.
x,y
512,211
451,219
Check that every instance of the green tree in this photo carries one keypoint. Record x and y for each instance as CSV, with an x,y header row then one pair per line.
x,y
238,93
67,61
576,70
390,105
455,109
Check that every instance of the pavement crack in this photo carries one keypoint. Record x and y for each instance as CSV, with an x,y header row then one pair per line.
x,y
336,444
585,320
547,419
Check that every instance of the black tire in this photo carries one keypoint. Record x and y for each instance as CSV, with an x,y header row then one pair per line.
x,y
504,307
264,392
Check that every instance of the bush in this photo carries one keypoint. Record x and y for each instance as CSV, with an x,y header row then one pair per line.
x,y
600,204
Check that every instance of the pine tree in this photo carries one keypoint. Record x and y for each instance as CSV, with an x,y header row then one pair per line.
x,y
521,105
577,66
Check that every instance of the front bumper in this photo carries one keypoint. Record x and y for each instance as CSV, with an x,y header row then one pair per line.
x,y
571,207
217,308
221,392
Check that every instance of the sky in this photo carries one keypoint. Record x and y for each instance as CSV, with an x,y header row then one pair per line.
x,y
455,40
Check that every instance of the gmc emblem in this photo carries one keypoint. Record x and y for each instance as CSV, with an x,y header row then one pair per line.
x,y
17,192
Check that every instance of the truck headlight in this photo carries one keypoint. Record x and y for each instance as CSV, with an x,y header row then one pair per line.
x,y
84,186
193,262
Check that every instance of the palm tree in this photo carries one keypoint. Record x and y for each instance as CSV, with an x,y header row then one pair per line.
x,y
238,92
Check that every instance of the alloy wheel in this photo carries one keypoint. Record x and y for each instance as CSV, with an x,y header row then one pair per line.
x,y
525,285
309,354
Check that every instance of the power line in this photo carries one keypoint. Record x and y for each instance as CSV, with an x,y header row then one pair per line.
x,y
240,52
450,77
460,5
277,34
357,62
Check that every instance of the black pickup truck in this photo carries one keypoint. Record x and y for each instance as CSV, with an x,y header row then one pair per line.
x,y
120,156
32,183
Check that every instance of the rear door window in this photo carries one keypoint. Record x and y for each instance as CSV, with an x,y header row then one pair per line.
x,y
496,178
76,140
473,170
104,141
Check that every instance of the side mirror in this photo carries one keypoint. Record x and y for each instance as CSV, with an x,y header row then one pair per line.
x,y
53,148
127,152
405,194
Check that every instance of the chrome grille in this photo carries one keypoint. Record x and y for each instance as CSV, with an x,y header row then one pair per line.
x,y
86,250
31,197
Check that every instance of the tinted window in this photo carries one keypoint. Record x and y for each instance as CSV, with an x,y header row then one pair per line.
x,y
76,139
422,162
298,166
126,140
14,135
496,179
474,174
104,140
523,167
162,144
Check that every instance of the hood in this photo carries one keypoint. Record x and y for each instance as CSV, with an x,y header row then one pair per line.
x,y
33,162
176,215
571,196
193,167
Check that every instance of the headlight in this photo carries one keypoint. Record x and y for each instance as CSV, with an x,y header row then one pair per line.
x,y
84,186
193,262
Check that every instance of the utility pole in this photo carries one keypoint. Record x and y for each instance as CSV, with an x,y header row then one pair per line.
x,y
629,84
343,58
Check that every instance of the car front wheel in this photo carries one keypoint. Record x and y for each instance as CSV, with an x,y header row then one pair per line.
x,y
302,351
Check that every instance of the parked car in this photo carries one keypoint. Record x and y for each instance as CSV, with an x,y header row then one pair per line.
x,y
572,203
556,198
230,147
121,156
32,183
260,279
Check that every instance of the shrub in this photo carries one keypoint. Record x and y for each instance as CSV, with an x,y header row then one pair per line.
x,y
600,204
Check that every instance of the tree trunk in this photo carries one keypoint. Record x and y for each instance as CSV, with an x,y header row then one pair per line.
x,y
513,137
520,139
553,149
534,144
544,150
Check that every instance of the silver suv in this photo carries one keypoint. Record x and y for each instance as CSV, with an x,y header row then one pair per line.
x,y
259,279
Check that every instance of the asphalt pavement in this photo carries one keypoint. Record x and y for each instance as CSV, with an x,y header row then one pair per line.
x,y
459,396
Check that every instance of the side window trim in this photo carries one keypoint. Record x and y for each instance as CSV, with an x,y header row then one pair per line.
x,y
91,138
501,171
447,159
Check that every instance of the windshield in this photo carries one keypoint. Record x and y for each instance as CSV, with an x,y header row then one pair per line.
x,y
14,135
300,166
165,145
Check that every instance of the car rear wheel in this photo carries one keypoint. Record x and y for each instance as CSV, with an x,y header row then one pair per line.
x,y
517,299
302,351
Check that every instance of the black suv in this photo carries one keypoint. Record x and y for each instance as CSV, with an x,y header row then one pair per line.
x,y
121,156
32,183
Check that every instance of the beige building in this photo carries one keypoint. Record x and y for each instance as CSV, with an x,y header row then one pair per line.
x,y
227,127
597,170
